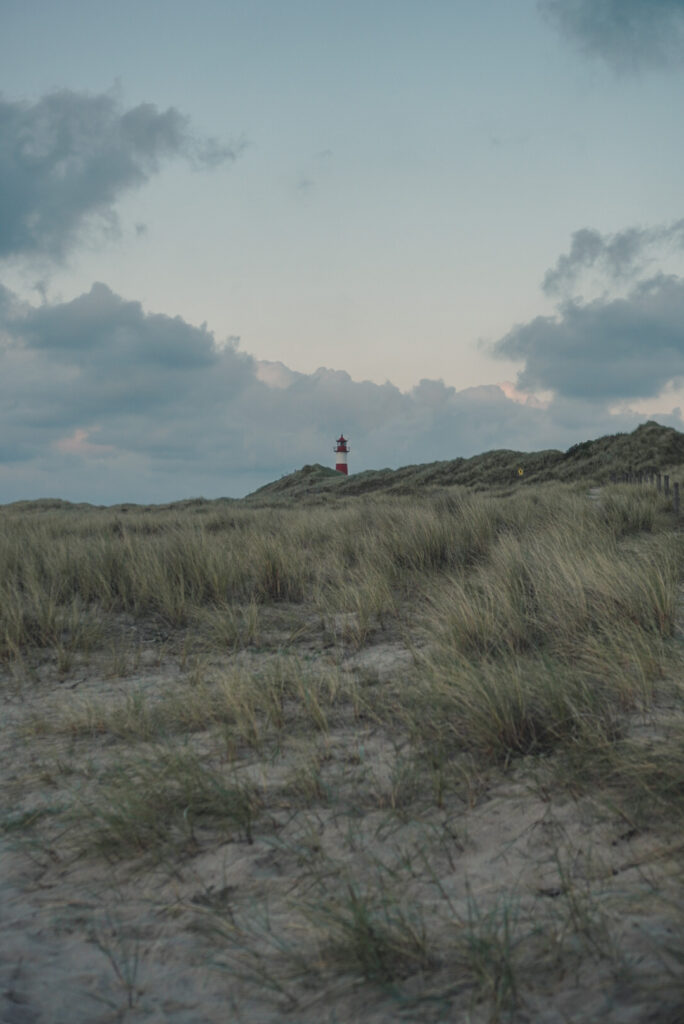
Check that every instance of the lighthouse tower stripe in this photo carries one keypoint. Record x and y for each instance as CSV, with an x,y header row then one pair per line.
x,y
341,450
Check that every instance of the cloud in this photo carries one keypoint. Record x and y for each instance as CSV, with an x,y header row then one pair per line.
x,y
313,173
100,358
619,256
524,397
627,34
608,349
80,444
276,375
103,401
68,158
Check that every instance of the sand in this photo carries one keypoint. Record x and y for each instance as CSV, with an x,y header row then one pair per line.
x,y
512,880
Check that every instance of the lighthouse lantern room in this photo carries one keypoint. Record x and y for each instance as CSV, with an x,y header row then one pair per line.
x,y
341,448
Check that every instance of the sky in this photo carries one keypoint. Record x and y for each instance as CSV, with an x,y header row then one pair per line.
x,y
231,230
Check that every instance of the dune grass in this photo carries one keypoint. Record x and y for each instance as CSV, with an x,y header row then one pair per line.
x,y
535,630
63,571
535,621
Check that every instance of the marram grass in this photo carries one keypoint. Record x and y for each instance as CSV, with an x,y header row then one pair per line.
x,y
323,696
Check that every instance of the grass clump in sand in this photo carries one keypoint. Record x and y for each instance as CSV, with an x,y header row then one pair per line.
x,y
153,803
549,642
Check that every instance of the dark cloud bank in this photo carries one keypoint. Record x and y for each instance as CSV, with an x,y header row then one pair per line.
x,y
628,34
623,348
69,157
102,401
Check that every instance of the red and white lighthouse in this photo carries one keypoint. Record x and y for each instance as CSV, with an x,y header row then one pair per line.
x,y
341,448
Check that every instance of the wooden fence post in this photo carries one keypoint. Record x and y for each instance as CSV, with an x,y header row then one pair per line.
x,y
659,483
667,485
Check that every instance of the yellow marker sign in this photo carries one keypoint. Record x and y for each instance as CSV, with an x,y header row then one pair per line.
x,y
520,471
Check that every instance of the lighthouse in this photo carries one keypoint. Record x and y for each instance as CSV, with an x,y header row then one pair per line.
x,y
341,448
